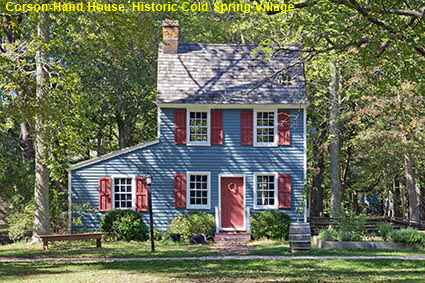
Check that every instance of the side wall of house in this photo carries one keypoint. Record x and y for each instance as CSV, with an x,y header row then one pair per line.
x,y
165,159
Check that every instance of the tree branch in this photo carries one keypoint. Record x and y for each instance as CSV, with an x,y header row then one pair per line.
x,y
411,13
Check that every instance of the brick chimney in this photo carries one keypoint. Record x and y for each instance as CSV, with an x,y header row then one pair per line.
x,y
170,36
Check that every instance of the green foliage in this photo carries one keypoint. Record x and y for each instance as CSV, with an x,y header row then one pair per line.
x,y
328,234
408,235
271,224
196,223
58,211
79,211
20,223
125,225
350,227
347,228
385,229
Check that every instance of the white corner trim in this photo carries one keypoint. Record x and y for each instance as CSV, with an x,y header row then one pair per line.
x,y
111,155
305,163
276,184
195,206
69,203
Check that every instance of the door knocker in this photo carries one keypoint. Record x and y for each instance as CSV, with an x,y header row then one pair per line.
x,y
232,187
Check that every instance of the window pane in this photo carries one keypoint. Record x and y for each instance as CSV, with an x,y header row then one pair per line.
x,y
198,189
198,126
265,190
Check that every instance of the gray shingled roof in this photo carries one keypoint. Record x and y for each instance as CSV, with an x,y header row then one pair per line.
x,y
229,74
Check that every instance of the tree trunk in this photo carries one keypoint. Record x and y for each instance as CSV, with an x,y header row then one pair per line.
x,y
334,146
397,199
413,194
316,195
41,189
26,143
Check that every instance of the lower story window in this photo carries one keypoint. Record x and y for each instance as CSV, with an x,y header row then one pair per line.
x,y
266,191
123,193
198,191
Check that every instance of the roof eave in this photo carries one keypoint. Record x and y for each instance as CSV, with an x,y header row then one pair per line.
x,y
111,155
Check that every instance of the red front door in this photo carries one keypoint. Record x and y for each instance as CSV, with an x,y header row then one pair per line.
x,y
232,203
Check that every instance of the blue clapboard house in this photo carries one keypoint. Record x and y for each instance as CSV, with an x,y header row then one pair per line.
x,y
231,139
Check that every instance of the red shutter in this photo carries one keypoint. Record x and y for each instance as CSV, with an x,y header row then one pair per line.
x,y
105,195
216,127
247,128
180,126
180,190
284,191
284,128
141,194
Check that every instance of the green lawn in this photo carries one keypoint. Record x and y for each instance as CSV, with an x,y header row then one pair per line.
x,y
269,247
168,249
109,249
218,271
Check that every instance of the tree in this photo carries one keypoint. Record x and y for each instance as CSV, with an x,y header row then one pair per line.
x,y
334,145
41,188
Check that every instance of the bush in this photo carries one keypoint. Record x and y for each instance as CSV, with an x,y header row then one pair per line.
x,y
385,228
271,224
20,223
408,235
196,223
350,228
329,234
125,224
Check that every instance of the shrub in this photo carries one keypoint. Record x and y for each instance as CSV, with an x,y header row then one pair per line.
x,y
271,224
20,223
350,228
408,235
329,234
125,224
196,223
385,228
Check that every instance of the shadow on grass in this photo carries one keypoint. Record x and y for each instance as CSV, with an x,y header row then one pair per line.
x,y
233,270
109,249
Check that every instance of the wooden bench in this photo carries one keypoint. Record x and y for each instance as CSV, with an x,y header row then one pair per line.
x,y
71,237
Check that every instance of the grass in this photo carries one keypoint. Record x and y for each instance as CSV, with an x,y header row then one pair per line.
x,y
270,247
170,249
217,271
109,249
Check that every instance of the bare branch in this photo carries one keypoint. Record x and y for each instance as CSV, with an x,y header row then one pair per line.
x,y
411,13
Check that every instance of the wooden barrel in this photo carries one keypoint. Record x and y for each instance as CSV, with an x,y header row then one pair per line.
x,y
299,237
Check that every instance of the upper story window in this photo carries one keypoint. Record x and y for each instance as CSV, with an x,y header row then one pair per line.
x,y
198,190
266,191
123,193
198,128
265,128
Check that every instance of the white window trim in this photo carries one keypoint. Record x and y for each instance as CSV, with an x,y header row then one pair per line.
x,y
197,206
190,143
133,190
266,144
276,190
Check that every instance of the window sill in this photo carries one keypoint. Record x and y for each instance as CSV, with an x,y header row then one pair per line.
x,y
198,207
265,207
198,144
265,145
